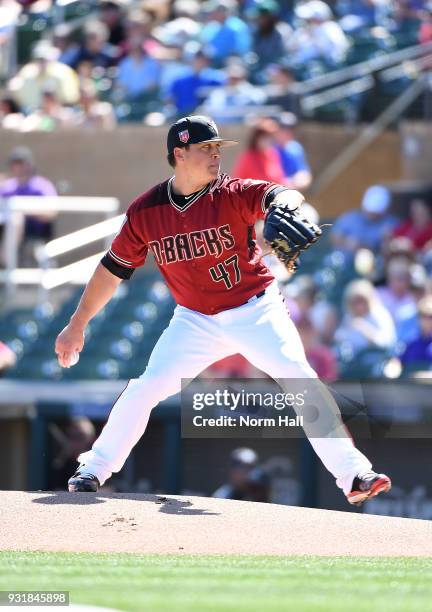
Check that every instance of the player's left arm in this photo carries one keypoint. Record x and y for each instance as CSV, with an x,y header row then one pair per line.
x,y
254,198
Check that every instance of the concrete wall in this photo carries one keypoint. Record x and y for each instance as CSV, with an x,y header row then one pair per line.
x,y
126,162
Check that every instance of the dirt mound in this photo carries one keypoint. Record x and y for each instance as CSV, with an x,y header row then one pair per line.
x,y
90,522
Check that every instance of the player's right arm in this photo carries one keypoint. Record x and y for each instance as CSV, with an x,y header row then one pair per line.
x,y
98,292
128,251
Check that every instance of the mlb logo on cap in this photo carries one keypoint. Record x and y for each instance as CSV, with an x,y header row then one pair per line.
x,y
194,130
184,136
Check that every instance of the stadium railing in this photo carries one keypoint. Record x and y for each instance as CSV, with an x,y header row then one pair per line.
x,y
45,276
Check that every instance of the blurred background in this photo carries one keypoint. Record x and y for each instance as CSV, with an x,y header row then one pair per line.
x,y
332,98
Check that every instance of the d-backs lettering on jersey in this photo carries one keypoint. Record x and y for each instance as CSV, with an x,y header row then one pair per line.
x,y
206,250
212,241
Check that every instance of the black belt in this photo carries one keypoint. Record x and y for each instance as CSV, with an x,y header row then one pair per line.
x,y
254,297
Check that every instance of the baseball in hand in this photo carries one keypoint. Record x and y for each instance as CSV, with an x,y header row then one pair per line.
x,y
74,358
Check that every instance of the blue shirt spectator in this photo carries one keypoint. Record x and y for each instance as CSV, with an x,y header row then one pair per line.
x,y
138,73
293,158
225,34
367,227
291,153
408,327
188,91
357,13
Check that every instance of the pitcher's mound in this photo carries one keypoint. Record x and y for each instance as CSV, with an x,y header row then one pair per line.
x,y
92,522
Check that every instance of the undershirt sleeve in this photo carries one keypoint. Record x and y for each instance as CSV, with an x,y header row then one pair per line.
x,y
116,269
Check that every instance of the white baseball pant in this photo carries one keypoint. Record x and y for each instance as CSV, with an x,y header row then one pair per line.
x,y
263,332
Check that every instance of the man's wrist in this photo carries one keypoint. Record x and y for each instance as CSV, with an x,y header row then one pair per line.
x,y
77,322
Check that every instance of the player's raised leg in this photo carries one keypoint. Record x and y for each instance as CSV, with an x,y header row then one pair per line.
x,y
189,344
276,348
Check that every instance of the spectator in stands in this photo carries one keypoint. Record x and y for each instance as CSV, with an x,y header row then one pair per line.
x,y
418,353
138,74
94,47
291,153
140,24
24,181
242,463
50,116
319,356
397,295
10,114
91,113
418,227
406,21
260,160
44,71
62,41
425,31
368,227
396,248
9,15
188,91
185,25
270,36
280,87
224,34
357,14
320,38
366,323
111,14
229,103
285,8
305,293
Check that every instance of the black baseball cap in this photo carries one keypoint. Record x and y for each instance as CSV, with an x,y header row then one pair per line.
x,y
194,130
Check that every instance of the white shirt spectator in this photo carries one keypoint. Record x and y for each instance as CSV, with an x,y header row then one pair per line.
x,y
321,37
367,323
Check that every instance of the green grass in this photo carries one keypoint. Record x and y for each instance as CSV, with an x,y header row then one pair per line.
x,y
200,584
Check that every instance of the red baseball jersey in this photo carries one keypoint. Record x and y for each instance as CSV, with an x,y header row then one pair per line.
x,y
206,249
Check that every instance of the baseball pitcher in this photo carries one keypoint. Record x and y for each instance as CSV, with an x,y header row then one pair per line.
x,y
199,225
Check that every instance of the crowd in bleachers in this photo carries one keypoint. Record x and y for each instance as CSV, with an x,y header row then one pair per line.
x,y
370,300
361,299
129,61
363,294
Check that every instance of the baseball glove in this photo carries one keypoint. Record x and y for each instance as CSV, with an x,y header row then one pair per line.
x,y
288,233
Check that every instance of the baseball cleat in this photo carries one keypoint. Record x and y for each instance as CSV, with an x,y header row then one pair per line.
x,y
368,485
83,482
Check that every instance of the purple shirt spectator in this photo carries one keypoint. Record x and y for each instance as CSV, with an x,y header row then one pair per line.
x,y
419,350
35,186
418,353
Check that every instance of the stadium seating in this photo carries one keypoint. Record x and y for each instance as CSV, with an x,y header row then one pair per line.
x,y
118,341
